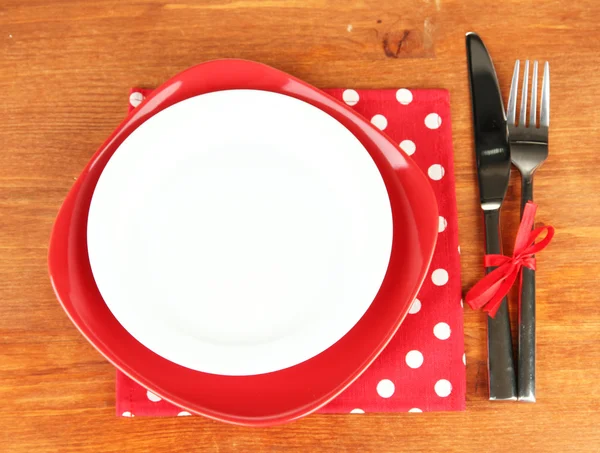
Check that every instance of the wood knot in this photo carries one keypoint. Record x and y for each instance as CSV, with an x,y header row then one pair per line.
x,y
393,43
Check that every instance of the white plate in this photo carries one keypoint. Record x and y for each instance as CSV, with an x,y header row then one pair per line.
x,y
239,232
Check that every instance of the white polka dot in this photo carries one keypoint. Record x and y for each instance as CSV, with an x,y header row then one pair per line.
x,y
464,359
441,331
184,414
127,414
385,388
136,98
415,307
379,121
433,121
414,359
152,397
350,97
436,172
404,96
357,411
439,277
349,28
443,388
408,146
415,409
442,224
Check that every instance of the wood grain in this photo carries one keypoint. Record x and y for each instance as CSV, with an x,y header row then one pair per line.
x,y
66,67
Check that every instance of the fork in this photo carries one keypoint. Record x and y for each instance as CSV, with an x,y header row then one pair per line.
x,y
529,149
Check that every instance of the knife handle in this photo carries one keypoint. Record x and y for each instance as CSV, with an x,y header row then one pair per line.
x,y
526,361
501,368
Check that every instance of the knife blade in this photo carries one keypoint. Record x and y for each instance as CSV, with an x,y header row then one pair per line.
x,y
492,152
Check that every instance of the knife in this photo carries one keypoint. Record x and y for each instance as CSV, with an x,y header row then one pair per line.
x,y
492,153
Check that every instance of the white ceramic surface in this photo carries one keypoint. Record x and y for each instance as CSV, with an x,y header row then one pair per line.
x,y
239,232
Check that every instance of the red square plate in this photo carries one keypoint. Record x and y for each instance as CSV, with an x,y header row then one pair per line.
x,y
280,396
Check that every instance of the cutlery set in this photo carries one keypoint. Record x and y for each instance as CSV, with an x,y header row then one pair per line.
x,y
502,138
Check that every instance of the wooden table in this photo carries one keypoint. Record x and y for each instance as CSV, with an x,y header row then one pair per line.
x,y
66,67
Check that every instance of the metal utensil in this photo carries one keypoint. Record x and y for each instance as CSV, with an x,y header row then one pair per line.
x,y
493,170
529,149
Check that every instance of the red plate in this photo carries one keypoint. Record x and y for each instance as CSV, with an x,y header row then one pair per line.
x,y
284,395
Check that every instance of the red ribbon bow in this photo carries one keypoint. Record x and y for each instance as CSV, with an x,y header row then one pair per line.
x,y
491,289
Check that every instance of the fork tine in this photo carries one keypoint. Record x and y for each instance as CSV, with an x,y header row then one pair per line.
x,y
511,113
545,101
533,105
523,114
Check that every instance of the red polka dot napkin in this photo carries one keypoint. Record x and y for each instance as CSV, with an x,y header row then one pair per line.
x,y
423,367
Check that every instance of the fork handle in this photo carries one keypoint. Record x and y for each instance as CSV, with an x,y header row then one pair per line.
x,y
526,361
501,370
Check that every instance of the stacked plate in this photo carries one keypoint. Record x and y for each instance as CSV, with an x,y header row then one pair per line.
x,y
243,245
